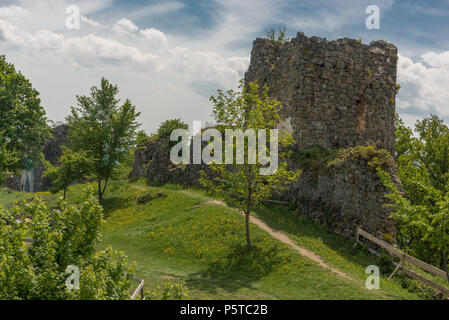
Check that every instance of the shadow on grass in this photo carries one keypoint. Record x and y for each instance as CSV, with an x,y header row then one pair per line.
x,y
239,269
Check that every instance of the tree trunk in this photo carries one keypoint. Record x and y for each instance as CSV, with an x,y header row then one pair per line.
x,y
65,192
444,263
105,185
248,239
100,194
443,252
247,213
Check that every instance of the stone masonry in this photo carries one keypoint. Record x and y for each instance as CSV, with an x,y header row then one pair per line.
x,y
335,94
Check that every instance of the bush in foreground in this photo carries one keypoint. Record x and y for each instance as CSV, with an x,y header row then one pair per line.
x,y
40,248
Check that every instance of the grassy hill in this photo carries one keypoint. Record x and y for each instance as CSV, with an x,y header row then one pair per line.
x,y
186,234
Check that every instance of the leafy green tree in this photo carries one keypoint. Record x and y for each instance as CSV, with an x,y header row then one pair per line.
x,y
142,138
72,166
249,108
167,127
104,130
61,238
23,127
421,210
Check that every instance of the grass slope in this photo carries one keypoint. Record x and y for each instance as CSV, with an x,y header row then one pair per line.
x,y
183,235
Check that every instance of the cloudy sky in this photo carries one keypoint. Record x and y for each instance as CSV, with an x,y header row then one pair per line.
x,y
168,57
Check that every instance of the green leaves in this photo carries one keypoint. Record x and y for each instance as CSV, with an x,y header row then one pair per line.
x,y
421,211
73,166
104,131
167,127
62,237
23,128
250,108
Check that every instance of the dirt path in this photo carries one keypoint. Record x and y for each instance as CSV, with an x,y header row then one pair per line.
x,y
285,239
280,236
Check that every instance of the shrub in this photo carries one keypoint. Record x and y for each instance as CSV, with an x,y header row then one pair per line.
x,y
279,36
169,291
61,238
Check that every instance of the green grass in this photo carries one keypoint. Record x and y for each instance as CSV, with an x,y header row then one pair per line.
x,y
182,236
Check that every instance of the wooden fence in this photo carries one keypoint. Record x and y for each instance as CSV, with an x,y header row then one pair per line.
x,y
407,258
139,289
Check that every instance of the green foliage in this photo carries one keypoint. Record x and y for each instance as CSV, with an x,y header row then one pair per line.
x,y
104,130
73,166
167,127
250,108
376,158
397,87
23,127
278,36
422,210
315,159
142,138
61,237
188,235
169,291
385,263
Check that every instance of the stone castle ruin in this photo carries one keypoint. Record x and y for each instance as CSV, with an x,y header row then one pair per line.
x,y
335,94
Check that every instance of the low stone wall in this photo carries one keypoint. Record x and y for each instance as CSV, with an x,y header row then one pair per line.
x,y
347,197
152,161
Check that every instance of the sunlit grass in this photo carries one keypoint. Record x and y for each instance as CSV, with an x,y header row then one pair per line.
x,y
181,236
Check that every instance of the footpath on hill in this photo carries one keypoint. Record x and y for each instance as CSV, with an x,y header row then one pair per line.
x,y
277,235
285,239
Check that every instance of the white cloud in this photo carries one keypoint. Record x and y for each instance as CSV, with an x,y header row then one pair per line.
x,y
131,57
90,22
424,84
124,25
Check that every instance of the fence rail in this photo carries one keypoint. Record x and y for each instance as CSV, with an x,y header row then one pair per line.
x,y
139,289
407,258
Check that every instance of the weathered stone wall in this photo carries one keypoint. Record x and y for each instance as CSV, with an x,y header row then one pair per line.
x,y
152,161
336,94
346,197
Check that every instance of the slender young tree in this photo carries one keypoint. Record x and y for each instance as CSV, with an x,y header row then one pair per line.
x,y
72,166
249,108
104,130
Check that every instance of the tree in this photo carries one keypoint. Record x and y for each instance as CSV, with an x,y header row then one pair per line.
x,y
168,126
104,130
73,166
250,108
422,210
61,238
23,127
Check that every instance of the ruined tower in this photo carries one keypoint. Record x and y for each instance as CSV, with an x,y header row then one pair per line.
x,y
335,94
